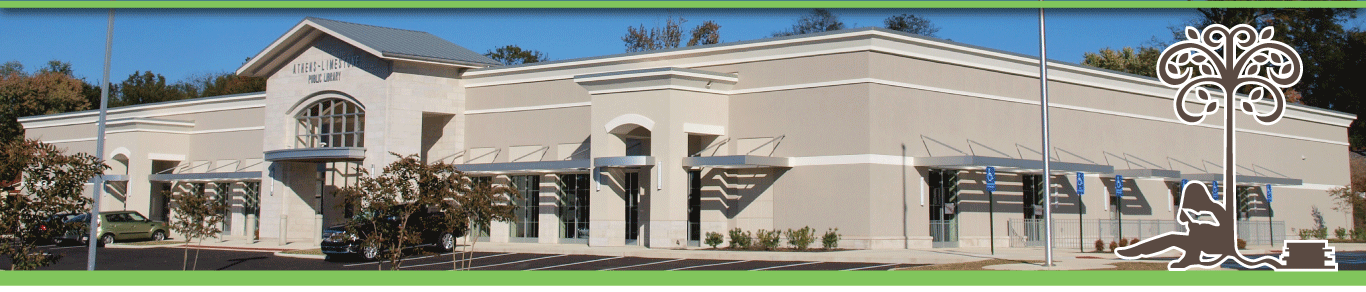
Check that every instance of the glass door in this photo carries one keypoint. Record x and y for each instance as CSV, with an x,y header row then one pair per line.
x,y
943,187
695,208
526,227
632,186
573,192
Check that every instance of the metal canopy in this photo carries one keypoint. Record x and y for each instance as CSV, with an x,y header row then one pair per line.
x,y
526,166
1013,164
737,161
317,154
1149,173
1246,179
207,176
624,161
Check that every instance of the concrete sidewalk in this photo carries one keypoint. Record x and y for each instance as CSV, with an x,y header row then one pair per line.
x,y
1064,258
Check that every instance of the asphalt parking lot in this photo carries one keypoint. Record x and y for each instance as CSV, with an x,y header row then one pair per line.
x,y
170,258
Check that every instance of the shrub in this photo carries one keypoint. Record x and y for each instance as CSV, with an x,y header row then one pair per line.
x,y
739,239
1242,244
1113,245
1340,233
714,239
1321,233
802,238
1100,245
1123,242
1359,234
1133,241
831,239
1304,233
768,239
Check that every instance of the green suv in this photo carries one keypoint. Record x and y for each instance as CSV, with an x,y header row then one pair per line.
x,y
114,225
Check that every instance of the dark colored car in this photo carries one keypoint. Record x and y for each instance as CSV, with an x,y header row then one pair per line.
x,y
338,242
116,225
52,227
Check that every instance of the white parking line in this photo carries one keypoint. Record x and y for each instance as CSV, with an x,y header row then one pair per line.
x,y
708,265
570,264
78,246
784,266
376,262
447,262
856,269
645,264
526,260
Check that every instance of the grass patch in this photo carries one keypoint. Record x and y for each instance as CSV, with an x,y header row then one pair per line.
x,y
149,242
311,251
968,266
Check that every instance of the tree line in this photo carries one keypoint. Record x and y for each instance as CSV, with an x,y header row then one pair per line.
x,y
53,89
1332,53
671,34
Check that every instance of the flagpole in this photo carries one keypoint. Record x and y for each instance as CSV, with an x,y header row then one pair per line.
x,y
94,238
1047,177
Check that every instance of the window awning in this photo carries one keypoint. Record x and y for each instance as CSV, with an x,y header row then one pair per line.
x,y
317,154
1246,179
207,176
527,166
624,161
737,161
1008,164
1149,173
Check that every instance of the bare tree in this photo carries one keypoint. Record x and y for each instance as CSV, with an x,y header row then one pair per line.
x,y
196,217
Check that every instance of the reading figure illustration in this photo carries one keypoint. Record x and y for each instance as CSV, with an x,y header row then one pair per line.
x,y
1249,70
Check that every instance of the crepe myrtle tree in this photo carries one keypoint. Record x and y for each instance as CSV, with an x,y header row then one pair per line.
x,y
51,183
478,204
196,216
385,202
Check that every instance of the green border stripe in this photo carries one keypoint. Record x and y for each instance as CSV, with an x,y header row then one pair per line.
x,y
662,278
681,4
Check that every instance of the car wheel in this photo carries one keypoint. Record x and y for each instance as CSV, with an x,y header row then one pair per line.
x,y
158,235
447,242
106,239
369,253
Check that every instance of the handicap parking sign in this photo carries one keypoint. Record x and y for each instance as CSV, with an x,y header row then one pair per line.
x,y
1081,184
991,179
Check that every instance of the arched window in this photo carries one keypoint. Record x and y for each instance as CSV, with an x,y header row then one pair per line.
x,y
332,122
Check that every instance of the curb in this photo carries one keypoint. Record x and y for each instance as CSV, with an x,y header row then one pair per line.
x,y
301,256
129,246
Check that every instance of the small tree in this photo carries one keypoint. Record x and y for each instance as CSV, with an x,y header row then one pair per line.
x,y
52,183
513,55
819,20
196,217
387,202
482,203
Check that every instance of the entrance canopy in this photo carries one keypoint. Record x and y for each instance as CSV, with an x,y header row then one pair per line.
x,y
1008,164
737,161
526,167
1149,173
1246,179
625,161
208,176
324,154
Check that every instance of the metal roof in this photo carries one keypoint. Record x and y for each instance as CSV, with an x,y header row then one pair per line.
x,y
400,43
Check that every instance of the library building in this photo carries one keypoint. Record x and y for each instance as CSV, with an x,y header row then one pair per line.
x,y
884,135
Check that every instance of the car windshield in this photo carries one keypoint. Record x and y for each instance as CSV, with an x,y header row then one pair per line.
x,y
79,218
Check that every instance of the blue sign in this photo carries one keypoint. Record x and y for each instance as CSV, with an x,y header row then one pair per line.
x,y
1081,184
991,179
1183,184
1119,186
1215,194
1268,193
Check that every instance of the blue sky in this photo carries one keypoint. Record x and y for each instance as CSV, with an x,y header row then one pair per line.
x,y
178,43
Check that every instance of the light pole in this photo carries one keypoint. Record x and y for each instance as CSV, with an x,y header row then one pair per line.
x,y
99,146
1043,105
